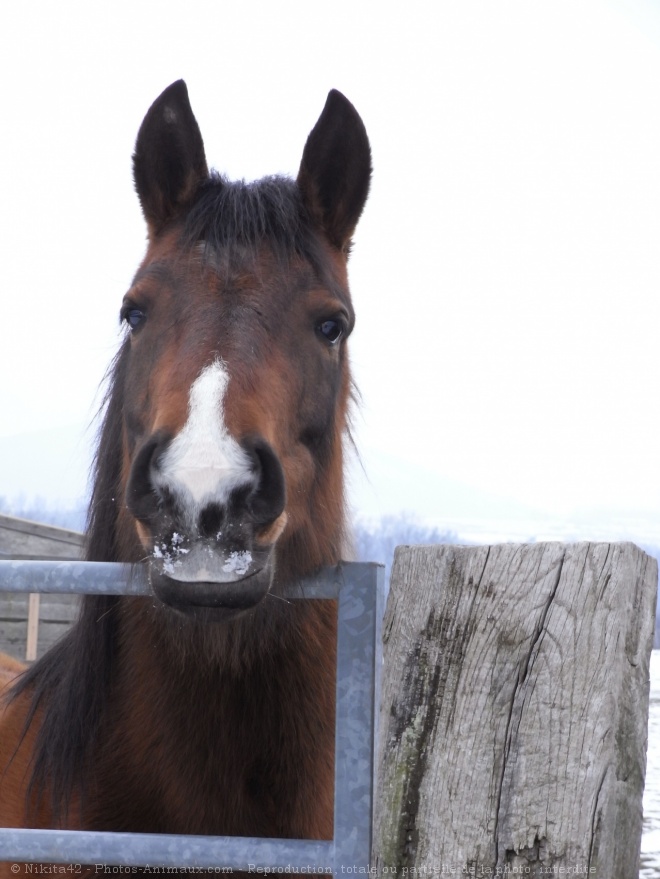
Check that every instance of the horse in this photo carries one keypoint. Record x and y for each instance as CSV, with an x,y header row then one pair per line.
x,y
208,706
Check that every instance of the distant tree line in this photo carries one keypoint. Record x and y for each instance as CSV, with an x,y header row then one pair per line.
x,y
72,516
375,540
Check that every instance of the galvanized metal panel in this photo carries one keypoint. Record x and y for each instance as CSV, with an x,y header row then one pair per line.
x,y
360,590
163,850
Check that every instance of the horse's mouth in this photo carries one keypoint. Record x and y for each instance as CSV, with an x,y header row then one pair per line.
x,y
209,583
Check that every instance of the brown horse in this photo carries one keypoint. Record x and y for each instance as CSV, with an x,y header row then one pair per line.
x,y
208,708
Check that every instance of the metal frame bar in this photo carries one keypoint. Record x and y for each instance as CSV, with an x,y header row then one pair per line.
x,y
359,589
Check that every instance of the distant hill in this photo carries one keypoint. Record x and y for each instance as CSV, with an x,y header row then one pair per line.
x,y
381,483
52,464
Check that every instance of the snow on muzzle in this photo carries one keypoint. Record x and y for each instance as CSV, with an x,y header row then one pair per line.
x,y
205,580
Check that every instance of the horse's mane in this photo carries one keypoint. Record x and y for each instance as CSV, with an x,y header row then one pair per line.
x,y
70,684
230,216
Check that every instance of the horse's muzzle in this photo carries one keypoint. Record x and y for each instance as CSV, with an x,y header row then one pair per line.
x,y
204,581
211,557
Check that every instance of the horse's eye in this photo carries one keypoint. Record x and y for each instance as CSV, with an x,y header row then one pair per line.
x,y
332,330
133,316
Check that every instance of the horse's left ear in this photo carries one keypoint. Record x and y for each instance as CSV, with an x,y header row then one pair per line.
x,y
335,170
169,162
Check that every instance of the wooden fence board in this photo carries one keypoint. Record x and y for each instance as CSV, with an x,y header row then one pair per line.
x,y
53,608
13,633
20,538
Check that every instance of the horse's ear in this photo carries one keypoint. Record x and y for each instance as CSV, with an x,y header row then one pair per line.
x,y
335,170
169,162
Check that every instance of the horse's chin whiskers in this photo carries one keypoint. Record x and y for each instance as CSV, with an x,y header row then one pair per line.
x,y
279,598
104,614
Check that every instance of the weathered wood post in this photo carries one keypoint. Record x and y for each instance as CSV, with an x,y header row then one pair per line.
x,y
514,710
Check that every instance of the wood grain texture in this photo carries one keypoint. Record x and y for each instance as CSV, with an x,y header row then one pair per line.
x,y
514,710
20,537
56,614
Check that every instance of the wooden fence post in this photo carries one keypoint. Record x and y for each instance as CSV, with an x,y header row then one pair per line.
x,y
31,642
514,711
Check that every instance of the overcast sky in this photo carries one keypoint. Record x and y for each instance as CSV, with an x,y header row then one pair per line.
x,y
506,272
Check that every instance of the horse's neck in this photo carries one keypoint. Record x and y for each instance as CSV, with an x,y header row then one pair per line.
x,y
189,717
247,706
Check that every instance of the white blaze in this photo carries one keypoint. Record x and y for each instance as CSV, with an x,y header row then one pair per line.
x,y
203,463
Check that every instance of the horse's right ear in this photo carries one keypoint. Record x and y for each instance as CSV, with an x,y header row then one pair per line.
x,y
169,162
335,170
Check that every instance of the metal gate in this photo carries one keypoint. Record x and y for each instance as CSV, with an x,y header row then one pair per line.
x,y
359,589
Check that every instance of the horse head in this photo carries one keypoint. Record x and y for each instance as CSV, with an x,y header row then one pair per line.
x,y
234,377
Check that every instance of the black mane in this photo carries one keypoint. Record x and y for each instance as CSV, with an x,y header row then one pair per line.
x,y
71,682
234,215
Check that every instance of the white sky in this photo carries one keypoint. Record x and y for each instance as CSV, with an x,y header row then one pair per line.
x,y
506,273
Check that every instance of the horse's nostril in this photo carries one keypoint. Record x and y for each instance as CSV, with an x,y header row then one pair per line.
x,y
254,504
268,499
141,497
211,520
